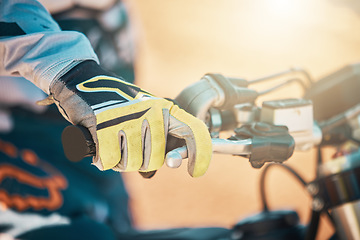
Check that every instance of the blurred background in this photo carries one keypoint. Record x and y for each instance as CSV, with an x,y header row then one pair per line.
x,y
179,41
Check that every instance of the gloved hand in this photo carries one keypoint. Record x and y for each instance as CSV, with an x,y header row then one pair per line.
x,y
129,126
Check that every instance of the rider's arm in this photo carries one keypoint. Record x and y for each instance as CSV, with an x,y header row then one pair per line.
x,y
128,125
30,41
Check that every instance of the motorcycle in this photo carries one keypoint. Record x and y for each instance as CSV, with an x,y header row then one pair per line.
x,y
327,115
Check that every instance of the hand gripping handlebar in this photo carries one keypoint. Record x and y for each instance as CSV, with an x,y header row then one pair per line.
x,y
260,142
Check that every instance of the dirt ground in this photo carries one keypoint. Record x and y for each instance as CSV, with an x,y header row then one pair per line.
x,y
179,41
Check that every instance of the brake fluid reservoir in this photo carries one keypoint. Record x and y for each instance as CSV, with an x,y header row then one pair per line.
x,y
297,115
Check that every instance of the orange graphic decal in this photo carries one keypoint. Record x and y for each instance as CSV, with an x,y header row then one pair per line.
x,y
53,183
9,149
29,157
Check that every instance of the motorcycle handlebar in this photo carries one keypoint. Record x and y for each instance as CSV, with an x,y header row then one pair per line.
x,y
77,143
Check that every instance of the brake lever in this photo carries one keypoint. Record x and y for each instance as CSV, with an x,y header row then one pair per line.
x,y
242,147
260,142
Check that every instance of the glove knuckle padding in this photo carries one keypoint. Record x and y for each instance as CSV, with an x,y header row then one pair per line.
x,y
197,137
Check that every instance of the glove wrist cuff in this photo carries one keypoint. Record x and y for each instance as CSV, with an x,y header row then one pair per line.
x,y
79,73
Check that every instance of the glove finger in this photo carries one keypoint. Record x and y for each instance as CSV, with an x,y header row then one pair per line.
x,y
133,148
127,153
154,130
197,138
122,165
146,145
109,153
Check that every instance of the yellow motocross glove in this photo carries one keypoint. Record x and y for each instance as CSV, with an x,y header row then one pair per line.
x,y
128,125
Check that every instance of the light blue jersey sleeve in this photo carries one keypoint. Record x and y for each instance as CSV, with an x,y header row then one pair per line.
x,y
33,46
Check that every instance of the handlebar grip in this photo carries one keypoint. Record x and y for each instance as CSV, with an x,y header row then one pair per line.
x,y
77,143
